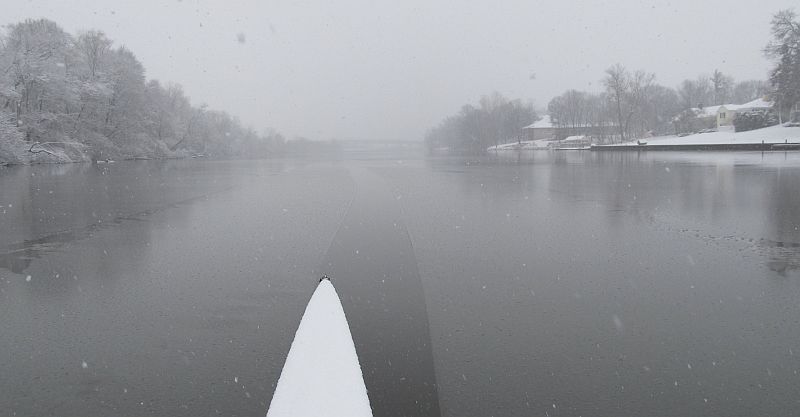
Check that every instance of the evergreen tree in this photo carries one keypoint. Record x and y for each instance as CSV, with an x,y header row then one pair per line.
x,y
784,49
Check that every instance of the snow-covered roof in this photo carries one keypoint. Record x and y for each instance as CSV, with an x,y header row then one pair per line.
x,y
758,103
731,107
547,123
543,123
711,111
580,138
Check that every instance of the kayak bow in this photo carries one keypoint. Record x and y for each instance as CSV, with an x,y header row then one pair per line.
x,y
321,376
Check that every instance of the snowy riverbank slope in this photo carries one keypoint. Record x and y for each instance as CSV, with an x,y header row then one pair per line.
x,y
519,146
15,151
726,135
773,134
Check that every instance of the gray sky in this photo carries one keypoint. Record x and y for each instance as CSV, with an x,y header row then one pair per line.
x,y
380,69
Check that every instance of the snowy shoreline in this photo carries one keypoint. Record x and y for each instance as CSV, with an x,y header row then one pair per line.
x,y
770,135
40,161
772,138
34,153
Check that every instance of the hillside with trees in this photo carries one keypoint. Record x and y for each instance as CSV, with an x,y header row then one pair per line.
x,y
78,97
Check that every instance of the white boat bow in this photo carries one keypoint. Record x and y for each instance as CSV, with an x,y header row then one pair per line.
x,y
321,376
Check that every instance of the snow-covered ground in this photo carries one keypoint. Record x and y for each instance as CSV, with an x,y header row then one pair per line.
x,y
524,145
726,135
17,151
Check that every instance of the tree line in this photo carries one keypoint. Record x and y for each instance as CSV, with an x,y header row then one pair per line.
x,y
633,105
473,129
82,97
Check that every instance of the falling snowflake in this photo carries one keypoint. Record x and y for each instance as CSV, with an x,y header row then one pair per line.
x,y
617,323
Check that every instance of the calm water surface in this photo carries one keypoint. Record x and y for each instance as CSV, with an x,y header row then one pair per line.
x,y
547,284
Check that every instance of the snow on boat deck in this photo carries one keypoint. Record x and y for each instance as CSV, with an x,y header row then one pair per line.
x,y
322,376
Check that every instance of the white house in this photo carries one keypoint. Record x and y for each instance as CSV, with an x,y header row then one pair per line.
x,y
726,113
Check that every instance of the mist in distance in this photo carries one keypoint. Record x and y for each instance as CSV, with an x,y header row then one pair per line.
x,y
383,70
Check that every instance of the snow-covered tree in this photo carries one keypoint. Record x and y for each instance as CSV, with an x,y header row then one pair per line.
x,y
495,120
722,87
570,111
627,94
35,51
784,50
658,110
94,46
93,97
749,90
696,93
126,100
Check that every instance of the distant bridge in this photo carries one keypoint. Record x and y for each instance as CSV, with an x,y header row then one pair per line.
x,y
379,144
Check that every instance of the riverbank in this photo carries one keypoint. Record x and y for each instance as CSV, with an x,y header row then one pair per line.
x,y
775,138
525,145
701,147
20,152
35,153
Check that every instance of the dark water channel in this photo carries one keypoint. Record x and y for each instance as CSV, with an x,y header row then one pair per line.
x,y
546,284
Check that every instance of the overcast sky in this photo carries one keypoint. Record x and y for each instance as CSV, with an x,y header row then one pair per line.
x,y
390,70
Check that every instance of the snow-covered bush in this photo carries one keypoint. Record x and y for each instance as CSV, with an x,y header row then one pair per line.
x,y
754,119
690,121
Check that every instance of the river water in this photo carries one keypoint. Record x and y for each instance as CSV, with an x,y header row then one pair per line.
x,y
546,284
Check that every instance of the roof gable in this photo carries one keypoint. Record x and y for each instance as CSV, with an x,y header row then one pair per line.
x,y
543,123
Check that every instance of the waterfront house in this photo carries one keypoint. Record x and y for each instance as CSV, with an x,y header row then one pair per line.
x,y
724,114
546,129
